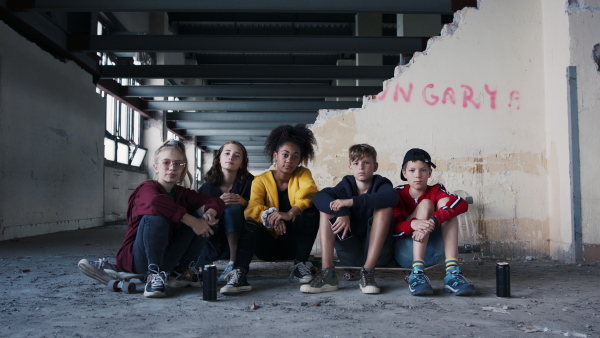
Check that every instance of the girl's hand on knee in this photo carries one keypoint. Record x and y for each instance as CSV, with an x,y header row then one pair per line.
x,y
201,228
232,199
210,217
279,227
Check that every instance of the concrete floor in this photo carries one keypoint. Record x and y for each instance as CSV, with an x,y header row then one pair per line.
x,y
44,295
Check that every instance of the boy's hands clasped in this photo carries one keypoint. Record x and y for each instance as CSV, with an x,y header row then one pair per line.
x,y
421,227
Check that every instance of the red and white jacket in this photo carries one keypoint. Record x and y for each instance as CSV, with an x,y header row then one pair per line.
x,y
407,204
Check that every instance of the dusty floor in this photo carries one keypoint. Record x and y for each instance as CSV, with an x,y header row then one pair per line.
x,y
43,294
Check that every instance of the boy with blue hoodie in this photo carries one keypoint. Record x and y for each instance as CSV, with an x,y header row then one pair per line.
x,y
356,219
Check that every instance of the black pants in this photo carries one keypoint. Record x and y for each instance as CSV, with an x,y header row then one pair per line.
x,y
295,244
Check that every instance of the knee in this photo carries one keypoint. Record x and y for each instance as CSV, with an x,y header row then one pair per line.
x,y
155,220
234,210
426,205
251,226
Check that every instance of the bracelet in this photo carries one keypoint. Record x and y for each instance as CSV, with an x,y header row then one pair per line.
x,y
435,220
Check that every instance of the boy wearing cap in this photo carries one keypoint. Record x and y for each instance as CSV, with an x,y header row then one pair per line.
x,y
427,227
356,218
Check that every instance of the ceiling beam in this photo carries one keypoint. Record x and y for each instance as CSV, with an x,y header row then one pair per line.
x,y
283,117
250,91
254,106
226,126
266,6
230,133
246,44
248,72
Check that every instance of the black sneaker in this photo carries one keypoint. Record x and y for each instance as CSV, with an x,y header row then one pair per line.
x,y
301,272
236,282
156,283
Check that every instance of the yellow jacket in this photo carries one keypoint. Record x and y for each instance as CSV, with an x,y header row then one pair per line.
x,y
264,194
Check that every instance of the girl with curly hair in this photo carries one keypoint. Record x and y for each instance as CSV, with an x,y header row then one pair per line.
x,y
281,221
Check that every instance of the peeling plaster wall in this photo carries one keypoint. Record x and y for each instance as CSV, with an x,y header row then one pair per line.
x,y
584,29
475,100
51,142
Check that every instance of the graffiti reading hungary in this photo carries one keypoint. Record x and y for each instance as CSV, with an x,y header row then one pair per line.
x,y
463,95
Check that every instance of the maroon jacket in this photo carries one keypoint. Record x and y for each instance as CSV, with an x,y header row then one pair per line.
x,y
150,198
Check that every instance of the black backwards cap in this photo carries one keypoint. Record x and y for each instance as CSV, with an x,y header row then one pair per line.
x,y
416,154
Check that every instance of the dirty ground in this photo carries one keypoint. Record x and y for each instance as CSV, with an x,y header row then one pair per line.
x,y
43,294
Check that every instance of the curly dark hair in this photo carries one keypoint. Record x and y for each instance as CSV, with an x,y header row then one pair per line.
x,y
299,135
214,175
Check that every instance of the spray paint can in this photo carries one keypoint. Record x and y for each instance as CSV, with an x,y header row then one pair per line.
x,y
503,279
209,279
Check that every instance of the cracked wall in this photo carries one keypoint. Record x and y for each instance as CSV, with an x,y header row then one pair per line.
x,y
478,101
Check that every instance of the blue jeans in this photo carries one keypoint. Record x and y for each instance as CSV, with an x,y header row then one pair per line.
x,y
156,244
217,247
434,254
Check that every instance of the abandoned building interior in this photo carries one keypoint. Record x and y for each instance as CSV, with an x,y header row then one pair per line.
x,y
505,96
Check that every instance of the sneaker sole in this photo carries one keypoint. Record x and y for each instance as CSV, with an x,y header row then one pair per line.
x,y
304,280
306,288
457,292
155,294
426,292
370,289
230,290
89,270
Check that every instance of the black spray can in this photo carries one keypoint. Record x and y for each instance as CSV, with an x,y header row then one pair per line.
x,y
209,279
503,279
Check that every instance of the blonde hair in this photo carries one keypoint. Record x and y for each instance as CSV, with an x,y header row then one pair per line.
x,y
180,147
358,151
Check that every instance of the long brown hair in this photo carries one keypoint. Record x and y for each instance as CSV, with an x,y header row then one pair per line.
x,y
214,175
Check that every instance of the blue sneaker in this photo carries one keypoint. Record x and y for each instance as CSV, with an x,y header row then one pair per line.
x,y
455,283
418,283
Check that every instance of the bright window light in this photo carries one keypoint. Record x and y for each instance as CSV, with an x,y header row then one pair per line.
x,y
109,149
122,153
137,157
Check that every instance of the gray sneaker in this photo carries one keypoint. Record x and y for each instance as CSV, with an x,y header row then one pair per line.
x,y
190,277
300,272
95,269
325,281
367,281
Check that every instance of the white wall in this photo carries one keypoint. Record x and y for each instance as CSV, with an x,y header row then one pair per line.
x,y
584,29
51,141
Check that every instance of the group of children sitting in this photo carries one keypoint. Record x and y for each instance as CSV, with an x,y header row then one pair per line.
x,y
173,231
